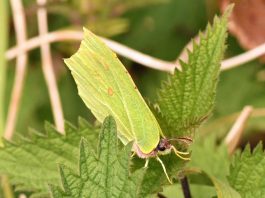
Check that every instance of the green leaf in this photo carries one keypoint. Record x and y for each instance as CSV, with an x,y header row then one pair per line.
x,y
197,191
155,178
32,164
210,157
187,97
247,173
223,189
212,160
103,175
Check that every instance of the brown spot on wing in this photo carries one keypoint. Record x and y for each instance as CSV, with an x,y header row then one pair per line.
x,y
110,91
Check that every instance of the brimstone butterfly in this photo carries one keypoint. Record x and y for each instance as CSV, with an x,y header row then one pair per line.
x,y
107,89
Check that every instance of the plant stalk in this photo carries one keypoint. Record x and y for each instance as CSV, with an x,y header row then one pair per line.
x,y
185,186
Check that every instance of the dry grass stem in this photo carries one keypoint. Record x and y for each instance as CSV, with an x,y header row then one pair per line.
x,y
129,53
20,28
233,137
47,68
243,58
120,49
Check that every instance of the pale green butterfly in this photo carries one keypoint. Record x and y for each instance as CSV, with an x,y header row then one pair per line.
x,y
107,89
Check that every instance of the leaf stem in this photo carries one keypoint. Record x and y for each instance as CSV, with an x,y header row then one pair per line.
x,y
160,195
185,186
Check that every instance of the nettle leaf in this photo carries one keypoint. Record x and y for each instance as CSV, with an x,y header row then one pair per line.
x,y
247,173
103,175
212,160
223,189
187,97
210,157
155,178
32,163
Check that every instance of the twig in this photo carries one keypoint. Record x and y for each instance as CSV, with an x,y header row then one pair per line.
x,y
230,62
120,49
47,68
185,187
234,135
51,37
243,58
20,28
129,53
141,58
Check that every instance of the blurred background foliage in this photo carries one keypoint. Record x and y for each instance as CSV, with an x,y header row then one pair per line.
x,y
160,28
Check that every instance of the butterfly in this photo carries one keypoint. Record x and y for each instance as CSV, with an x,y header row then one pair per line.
x,y
106,88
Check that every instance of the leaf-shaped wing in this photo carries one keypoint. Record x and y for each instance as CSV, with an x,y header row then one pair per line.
x,y
107,89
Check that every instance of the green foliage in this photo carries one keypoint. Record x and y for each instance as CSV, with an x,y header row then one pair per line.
x,y
197,191
107,89
223,190
247,173
155,178
210,157
102,17
242,93
35,104
31,163
162,31
103,175
187,98
213,161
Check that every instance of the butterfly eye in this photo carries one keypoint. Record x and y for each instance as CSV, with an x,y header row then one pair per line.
x,y
163,145
160,147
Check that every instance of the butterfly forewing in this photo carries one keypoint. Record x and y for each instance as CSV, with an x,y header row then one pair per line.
x,y
107,89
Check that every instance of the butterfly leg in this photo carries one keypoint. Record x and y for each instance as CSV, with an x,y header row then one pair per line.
x,y
146,163
164,169
179,153
133,154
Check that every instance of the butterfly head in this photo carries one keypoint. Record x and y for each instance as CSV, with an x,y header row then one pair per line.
x,y
164,147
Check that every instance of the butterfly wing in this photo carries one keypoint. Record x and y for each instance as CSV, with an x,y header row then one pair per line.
x,y
107,89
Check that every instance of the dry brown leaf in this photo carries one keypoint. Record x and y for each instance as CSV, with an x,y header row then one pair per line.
x,y
247,21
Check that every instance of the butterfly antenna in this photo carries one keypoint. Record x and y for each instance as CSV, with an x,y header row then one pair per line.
x,y
186,140
164,169
179,153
